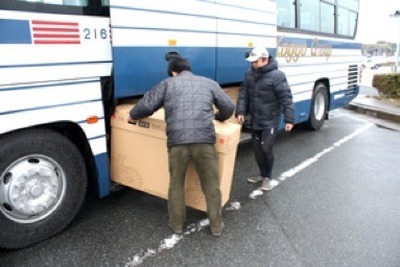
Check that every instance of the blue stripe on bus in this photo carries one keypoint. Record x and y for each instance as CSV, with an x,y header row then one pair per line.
x,y
333,43
348,95
302,110
14,31
133,75
133,79
225,65
103,174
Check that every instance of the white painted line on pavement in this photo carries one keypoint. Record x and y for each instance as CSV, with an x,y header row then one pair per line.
x,y
171,241
308,162
167,243
174,239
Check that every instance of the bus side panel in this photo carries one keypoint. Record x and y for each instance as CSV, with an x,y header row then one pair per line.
x,y
47,78
344,97
307,60
242,25
143,31
103,177
137,69
302,108
87,53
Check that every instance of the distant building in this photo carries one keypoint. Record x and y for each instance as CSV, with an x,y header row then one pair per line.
x,y
379,49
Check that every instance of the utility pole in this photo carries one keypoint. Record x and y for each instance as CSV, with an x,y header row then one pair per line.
x,y
397,15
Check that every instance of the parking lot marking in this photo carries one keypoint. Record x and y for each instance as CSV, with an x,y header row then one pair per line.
x,y
171,241
167,243
308,162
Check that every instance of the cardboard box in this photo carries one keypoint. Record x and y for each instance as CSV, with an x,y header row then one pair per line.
x,y
139,157
233,93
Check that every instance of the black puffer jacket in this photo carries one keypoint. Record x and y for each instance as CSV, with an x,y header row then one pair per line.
x,y
188,101
264,95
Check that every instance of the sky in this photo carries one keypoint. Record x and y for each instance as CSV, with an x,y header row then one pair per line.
x,y
375,23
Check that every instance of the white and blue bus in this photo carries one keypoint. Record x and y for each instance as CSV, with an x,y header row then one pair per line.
x,y
66,64
315,49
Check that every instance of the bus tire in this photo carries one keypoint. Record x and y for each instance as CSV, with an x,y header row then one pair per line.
x,y
43,183
319,107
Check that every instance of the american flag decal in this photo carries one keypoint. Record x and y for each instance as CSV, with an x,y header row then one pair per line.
x,y
55,32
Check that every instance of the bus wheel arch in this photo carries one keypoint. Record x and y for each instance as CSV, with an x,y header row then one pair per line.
x,y
319,105
43,182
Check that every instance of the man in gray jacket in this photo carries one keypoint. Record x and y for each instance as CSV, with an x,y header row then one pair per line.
x,y
188,102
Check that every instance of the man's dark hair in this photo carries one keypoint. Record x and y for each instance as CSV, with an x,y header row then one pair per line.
x,y
178,65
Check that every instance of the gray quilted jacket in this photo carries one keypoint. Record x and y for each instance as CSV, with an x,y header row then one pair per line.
x,y
188,102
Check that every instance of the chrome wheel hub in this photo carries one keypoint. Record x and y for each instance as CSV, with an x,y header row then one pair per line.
x,y
31,188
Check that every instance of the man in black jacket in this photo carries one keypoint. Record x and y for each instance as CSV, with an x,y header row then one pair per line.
x,y
188,102
264,95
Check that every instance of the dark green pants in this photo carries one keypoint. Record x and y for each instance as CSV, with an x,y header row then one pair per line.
x,y
205,160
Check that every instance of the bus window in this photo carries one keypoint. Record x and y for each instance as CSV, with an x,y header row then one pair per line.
x,y
346,22
327,18
309,18
286,14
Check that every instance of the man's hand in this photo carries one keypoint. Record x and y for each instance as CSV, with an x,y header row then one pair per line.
x,y
240,119
288,127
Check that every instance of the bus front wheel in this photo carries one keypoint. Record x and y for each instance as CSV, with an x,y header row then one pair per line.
x,y
319,107
42,186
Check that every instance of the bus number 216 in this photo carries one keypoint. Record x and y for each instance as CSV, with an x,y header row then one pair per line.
x,y
95,33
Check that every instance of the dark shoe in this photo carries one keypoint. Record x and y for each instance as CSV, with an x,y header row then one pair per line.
x,y
218,233
176,231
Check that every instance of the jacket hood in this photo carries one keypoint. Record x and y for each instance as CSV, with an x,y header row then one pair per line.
x,y
272,65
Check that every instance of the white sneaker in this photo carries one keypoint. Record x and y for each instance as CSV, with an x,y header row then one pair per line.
x,y
254,179
268,184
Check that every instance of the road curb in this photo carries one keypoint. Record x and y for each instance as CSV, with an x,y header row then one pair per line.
x,y
371,111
